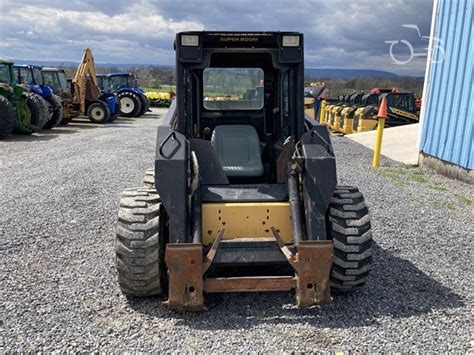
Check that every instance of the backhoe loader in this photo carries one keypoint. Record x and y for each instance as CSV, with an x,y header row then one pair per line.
x,y
87,98
245,195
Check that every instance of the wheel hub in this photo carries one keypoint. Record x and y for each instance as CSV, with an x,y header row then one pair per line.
x,y
127,105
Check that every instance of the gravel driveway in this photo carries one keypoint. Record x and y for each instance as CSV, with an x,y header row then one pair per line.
x,y
59,193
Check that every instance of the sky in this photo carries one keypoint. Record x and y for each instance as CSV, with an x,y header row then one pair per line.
x,y
338,34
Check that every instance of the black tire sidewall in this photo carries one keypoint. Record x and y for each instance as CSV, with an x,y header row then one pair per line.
x,y
103,106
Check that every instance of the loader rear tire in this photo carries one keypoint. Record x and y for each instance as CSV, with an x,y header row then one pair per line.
x,y
130,104
149,178
350,231
57,107
7,117
139,244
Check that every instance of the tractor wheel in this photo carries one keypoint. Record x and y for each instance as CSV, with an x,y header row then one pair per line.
x,y
98,112
145,105
57,106
140,243
7,117
350,230
39,109
149,178
130,104
23,122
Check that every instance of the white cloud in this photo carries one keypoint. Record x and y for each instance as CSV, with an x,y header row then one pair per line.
x,y
344,34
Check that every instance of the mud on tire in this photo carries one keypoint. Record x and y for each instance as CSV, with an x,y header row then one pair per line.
x,y
350,230
138,247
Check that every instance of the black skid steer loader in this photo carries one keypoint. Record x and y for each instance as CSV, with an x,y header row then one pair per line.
x,y
244,194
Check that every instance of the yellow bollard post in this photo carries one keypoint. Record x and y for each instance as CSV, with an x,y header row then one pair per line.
x,y
322,112
382,115
378,142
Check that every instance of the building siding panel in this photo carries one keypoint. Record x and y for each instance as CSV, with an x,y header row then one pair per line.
x,y
447,131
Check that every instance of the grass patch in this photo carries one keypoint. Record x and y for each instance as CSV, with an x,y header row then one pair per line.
x,y
394,175
418,178
437,187
444,204
463,200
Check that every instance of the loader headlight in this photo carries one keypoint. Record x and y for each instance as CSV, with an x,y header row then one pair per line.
x,y
291,41
190,40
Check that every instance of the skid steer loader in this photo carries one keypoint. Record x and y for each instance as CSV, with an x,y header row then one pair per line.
x,y
245,195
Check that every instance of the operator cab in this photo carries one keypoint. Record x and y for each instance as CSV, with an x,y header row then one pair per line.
x,y
237,97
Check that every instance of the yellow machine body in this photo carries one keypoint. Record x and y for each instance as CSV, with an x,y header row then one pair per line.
x,y
366,124
246,220
337,118
345,125
309,107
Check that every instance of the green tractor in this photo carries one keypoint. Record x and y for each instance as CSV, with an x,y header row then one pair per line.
x,y
14,112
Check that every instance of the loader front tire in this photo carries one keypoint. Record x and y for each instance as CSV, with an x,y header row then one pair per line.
x,y
139,244
350,231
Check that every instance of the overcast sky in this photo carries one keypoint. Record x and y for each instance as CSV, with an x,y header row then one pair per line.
x,y
338,34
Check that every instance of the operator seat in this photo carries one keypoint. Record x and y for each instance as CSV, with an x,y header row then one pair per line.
x,y
238,149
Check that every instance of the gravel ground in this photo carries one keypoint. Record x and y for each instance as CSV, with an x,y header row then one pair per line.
x,y
59,195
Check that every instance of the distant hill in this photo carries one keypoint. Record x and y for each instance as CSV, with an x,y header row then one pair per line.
x,y
309,72
347,73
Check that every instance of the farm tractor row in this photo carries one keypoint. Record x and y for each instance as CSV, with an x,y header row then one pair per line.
x,y
33,98
358,112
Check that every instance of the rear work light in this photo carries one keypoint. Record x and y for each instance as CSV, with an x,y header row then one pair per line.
x,y
190,40
291,41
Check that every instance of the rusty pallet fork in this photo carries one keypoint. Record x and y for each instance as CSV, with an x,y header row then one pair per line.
x,y
187,268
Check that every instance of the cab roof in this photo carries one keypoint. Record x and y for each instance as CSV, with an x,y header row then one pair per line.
x,y
27,66
53,69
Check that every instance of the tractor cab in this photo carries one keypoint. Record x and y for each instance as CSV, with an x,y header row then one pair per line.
x,y
132,98
56,79
104,83
31,76
122,80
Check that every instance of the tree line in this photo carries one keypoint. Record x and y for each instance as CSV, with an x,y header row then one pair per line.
x,y
160,77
